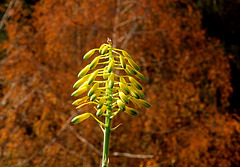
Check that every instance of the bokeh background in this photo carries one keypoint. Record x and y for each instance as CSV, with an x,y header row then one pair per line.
x,y
187,49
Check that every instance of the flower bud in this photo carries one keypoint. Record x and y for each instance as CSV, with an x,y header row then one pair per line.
x,y
80,101
133,101
127,71
80,81
131,111
140,103
121,105
101,47
80,118
130,70
104,50
136,93
123,97
111,81
92,90
83,71
94,63
140,76
95,95
126,54
135,83
92,77
100,103
124,88
80,91
89,54
101,111
105,73
110,66
122,61
133,64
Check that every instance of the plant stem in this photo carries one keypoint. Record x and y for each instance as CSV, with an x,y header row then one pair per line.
x,y
107,130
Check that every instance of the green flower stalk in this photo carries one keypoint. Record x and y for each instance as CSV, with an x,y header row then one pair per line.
x,y
107,88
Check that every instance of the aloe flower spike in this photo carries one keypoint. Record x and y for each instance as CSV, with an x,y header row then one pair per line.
x,y
108,90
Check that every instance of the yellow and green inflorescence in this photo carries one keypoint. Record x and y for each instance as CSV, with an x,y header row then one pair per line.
x,y
111,86
106,87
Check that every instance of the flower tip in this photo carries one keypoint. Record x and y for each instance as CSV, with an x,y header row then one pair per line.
x,y
75,86
73,94
147,105
131,111
89,54
134,113
80,118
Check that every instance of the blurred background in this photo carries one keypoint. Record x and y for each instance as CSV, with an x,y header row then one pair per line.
x,y
187,49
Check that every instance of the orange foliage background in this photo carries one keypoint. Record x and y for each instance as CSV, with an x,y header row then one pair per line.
x,y
188,85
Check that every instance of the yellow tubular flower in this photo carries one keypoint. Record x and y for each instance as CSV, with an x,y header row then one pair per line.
x,y
124,88
80,101
105,73
121,105
131,111
122,61
140,76
89,54
92,90
123,97
141,103
95,95
80,118
133,101
111,65
129,70
80,81
83,71
80,91
111,81
135,83
92,77
101,111
101,102
126,54
104,50
101,47
94,63
133,64
136,93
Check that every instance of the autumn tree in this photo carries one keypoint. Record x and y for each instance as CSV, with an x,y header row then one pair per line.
x,y
187,83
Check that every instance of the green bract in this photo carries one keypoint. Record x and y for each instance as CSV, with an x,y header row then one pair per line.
x,y
102,84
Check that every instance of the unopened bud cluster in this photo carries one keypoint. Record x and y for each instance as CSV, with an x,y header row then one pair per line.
x,y
108,89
